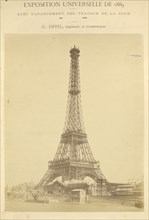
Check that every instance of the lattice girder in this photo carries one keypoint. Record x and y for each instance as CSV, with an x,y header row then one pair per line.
x,y
73,158
74,146
72,170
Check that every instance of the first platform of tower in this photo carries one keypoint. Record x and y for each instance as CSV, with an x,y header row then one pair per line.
x,y
74,52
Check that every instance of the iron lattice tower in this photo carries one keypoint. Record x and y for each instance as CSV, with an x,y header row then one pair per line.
x,y
74,158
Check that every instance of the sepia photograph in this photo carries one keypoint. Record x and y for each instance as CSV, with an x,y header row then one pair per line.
x,y
74,123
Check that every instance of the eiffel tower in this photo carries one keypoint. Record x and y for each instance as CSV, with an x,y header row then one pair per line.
x,y
74,158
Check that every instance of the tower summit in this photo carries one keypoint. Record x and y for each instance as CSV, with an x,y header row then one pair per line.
x,y
74,158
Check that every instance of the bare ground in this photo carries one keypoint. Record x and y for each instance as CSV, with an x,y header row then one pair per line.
x,y
102,206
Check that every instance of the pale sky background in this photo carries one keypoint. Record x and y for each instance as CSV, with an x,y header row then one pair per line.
x,y
36,85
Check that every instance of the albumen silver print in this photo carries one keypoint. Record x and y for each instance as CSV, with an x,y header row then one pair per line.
x,y
74,109
35,102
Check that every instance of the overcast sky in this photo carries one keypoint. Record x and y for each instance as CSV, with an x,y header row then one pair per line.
x,y
36,84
